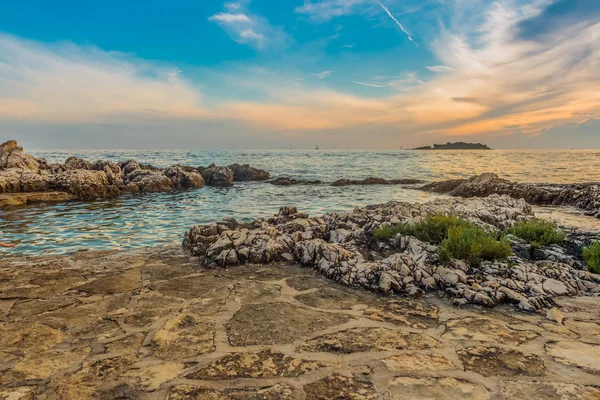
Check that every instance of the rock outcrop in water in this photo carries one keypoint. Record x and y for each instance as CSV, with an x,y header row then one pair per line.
x,y
26,179
375,181
342,247
585,196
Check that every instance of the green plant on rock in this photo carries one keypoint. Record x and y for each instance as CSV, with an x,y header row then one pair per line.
x,y
473,245
431,229
538,232
591,257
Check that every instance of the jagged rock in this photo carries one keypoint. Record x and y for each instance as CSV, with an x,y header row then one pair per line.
x,y
376,181
78,163
144,181
336,246
182,179
585,196
85,185
13,156
246,173
218,176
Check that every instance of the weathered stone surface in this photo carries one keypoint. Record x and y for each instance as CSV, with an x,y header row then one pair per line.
x,y
494,361
218,176
415,314
121,283
271,323
368,339
187,392
406,388
340,387
19,199
185,336
585,196
246,173
182,179
256,292
265,364
13,156
45,364
581,355
190,287
150,378
516,390
84,184
486,330
329,298
415,362
29,337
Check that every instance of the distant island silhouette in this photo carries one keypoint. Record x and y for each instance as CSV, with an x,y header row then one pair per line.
x,y
455,146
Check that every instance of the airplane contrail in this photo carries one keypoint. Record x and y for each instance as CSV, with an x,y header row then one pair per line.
x,y
397,22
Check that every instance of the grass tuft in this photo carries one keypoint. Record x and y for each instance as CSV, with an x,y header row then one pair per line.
x,y
591,257
432,228
538,232
473,245
457,239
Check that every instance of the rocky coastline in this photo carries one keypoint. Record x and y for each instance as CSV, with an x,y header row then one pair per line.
x,y
342,247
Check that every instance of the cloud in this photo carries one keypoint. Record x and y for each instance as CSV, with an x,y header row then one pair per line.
x,y
324,74
229,18
325,11
348,46
397,22
439,68
250,29
370,84
69,83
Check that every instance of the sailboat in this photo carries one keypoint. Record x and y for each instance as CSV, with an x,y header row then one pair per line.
x,y
317,148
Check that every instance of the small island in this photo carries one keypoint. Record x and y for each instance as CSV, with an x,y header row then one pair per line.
x,y
455,146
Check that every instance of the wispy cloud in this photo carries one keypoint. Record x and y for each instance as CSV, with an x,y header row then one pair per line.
x,y
439,68
250,29
370,84
325,11
324,74
397,22
348,46
69,83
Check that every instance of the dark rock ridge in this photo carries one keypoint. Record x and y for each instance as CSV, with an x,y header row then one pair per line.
x,y
455,146
341,247
376,181
285,181
585,196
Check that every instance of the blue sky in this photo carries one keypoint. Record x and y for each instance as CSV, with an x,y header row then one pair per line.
x,y
264,73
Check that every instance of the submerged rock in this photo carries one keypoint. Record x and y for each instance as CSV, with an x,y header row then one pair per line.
x,y
285,181
341,247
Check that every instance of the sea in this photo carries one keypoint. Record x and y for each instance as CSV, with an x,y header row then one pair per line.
x,y
138,221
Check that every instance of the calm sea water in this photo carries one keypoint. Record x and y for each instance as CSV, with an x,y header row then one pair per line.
x,y
157,219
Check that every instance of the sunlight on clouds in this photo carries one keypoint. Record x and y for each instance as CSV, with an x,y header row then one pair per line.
x,y
69,83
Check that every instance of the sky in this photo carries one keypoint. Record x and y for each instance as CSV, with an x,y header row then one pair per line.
x,y
343,74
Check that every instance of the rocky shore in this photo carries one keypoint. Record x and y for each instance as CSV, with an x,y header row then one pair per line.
x,y
28,179
153,324
342,247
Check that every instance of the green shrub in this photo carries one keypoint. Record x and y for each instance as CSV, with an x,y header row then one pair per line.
x,y
591,257
538,232
473,245
432,228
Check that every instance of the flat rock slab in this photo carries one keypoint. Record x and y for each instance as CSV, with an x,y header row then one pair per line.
x,y
406,388
277,323
368,339
495,361
486,330
265,364
581,355
187,392
150,325
514,390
